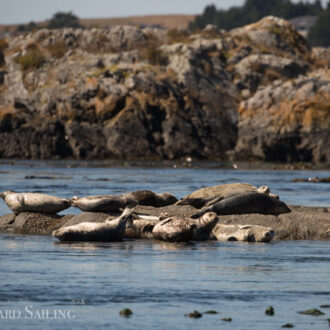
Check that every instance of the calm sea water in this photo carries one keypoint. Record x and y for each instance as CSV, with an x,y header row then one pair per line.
x,y
46,284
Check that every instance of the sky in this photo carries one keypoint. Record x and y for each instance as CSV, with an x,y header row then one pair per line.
x,y
24,11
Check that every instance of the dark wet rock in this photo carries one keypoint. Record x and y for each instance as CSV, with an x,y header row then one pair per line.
x,y
270,311
314,179
126,312
288,325
37,223
194,315
313,311
211,312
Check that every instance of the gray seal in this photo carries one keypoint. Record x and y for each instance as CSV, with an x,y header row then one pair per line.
x,y
246,203
248,233
34,202
105,203
176,229
109,231
211,195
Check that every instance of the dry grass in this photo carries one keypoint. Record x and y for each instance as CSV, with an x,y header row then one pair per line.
x,y
167,21
57,49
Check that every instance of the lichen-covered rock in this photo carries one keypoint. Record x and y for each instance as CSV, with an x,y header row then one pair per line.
x,y
287,121
129,93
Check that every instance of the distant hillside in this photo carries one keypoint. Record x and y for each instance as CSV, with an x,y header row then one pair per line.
x,y
166,21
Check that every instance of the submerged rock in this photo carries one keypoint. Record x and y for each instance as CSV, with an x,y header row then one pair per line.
x,y
313,311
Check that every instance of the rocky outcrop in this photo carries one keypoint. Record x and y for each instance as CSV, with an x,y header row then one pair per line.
x,y
287,121
131,93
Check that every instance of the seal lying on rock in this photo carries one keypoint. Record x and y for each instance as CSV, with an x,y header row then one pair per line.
x,y
149,198
34,202
246,203
141,226
249,233
175,229
106,203
108,231
211,195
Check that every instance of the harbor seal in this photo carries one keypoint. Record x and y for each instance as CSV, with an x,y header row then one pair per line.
x,y
34,202
248,233
141,225
246,203
176,229
105,203
111,230
214,194
150,198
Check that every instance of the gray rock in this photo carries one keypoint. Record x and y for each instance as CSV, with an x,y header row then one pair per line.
x,y
6,222
38,224
87,217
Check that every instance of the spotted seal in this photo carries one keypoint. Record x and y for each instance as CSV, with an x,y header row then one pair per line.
x,y
109,231
105,203
249,233
34,202
176,229
210,195
246,203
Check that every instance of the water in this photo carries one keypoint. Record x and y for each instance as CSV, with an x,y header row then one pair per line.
x,y
46,284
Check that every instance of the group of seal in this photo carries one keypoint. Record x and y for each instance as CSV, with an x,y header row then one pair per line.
x,y
211,195
237,198
43,203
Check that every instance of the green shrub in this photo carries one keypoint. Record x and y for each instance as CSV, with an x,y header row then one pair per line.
x,y
33,59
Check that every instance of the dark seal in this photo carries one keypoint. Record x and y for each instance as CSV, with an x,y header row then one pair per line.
x,y
246,203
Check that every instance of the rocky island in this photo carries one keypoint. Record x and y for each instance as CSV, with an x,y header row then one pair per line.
x,y
254,93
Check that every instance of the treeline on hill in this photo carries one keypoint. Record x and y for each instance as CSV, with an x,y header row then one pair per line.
x,y
59,20
254,10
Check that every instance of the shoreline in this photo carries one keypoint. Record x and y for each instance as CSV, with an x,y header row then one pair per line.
x,y
178,163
